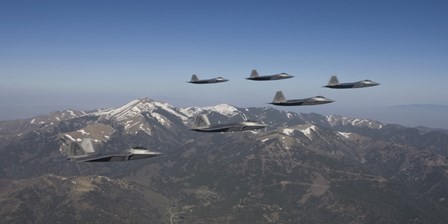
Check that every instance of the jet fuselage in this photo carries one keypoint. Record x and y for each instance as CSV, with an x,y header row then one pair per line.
x,y
304,102
271,77
130,154
209,81
351,85
241,126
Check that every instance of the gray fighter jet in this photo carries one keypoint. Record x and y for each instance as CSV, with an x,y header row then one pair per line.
x,y
85,152
196,80
334,84
202,124
280,100
254,76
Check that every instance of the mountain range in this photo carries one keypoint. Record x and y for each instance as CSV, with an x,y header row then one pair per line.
x,y
303,168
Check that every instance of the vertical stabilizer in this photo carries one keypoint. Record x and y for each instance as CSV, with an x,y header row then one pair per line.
x,y
87,146
333,81
201,121
72,149
279,97
75,150
254,73
194,78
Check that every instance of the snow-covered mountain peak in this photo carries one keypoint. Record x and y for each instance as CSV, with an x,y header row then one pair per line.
x,y
133,108
139,115
137,107
224,109
334,120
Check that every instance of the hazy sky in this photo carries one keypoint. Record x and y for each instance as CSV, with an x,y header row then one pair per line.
x,y
56,55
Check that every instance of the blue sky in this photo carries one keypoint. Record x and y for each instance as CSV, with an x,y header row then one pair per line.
x,y
81,54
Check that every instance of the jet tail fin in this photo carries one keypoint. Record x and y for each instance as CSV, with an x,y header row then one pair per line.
x,y
201,121
87,146
279,97
194,78
75,149
333,81
254,73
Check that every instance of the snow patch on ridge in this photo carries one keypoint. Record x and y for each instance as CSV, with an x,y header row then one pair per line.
x,y
72,113
307,131
334,120
288,131
83,132
161,119
345,134
70,137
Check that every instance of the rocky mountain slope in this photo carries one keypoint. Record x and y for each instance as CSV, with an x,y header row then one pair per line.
x,y
303,168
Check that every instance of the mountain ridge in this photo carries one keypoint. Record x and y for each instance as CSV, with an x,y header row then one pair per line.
x,y
303,168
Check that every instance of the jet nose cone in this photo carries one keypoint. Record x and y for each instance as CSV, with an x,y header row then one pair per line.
x,y
151,154
371,83
286,75
326,100
262,125
143,151
154,153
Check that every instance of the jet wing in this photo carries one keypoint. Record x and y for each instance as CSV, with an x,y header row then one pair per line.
x,y
235,128
106,158
212,129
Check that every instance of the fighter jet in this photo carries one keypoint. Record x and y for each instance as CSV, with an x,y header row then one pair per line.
x,y
196,80
85,152
202,124
254,76
334,84
280,100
